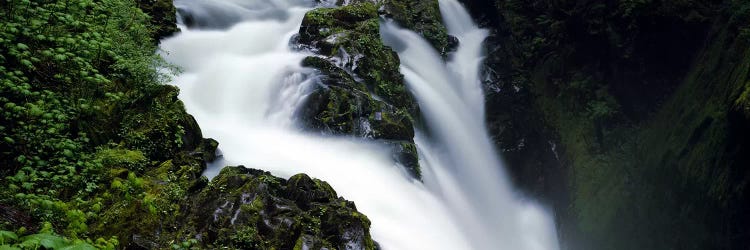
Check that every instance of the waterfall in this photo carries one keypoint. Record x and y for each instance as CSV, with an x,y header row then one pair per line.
x,y
243,82
459,161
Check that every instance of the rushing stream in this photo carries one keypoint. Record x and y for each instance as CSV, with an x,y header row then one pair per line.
x,y
243,83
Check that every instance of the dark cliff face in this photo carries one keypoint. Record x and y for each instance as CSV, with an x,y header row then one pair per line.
x,y
644,105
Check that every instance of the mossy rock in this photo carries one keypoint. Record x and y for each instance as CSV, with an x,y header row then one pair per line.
x,y
360,90
241,208
129,159
252,209
405,153
340,105
353,30
422,17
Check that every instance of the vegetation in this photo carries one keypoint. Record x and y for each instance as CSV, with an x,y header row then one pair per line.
x,y
48,240
71,71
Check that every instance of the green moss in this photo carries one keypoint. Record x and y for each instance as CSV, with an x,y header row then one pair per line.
x,y
253,212
122,158
378,64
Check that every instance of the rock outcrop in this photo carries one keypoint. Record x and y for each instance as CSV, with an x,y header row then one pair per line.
x,y
360,91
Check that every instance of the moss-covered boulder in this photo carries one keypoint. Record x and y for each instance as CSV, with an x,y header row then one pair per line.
x,y
349,37
145,201
361,91
241,209
341,105
252,209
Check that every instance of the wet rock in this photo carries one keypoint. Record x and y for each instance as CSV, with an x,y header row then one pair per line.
x,y
452,44
340,105
355,30
305,190
360,90
421,16
406,154
251,208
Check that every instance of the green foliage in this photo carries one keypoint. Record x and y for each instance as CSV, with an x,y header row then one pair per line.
x,y
68,69
46,239
246,237
7,237
132,160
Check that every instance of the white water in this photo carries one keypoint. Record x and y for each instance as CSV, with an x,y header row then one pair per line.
x,y
459,160
243,83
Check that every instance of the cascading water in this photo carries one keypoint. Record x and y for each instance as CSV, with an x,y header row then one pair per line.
x,y
243,83
459,161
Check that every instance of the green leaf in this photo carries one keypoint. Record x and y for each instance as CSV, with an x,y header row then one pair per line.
x,y
27,63
79,246
48,241
7,247
6,236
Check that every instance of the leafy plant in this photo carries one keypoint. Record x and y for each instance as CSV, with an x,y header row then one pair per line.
x,y
67,71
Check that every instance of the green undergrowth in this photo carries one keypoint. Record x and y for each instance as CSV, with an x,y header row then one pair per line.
x,y
46,239
84,114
